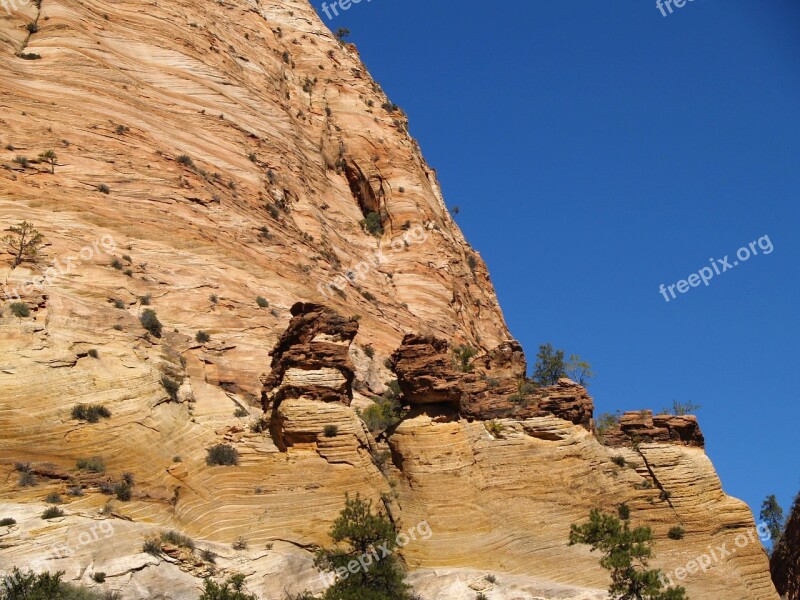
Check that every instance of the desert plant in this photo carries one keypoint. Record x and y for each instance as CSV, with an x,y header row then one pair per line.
x,y
49,157
578,370
624,511
150,322
152,546
27,479
208,555
676,533
462,357
171,387
90,412
103,189
20,310
330,431
52,512
7,522
32,27
123,491
493,427
681,408
145,300
116,264
53,498
23,243
222,454
491,578
75,491
262,302
185,160
240,413
373,224
119,303
94,464
99,577
177,539
618,460
202,337
92,353
240,544
550,365
22,161
232,589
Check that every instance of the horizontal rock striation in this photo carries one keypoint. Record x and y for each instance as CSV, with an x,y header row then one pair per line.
x,y
643,426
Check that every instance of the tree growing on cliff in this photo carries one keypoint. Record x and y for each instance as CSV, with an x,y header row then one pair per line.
x,y
23,242
772,515
550,365
626,553
233,589
363,559
49,157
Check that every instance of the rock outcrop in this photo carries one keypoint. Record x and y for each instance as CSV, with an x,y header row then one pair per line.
x,y
642,426
785,559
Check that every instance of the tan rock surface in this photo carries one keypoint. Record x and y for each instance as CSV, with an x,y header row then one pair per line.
x,y
287,146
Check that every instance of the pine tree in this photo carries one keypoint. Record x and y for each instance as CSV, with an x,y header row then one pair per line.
x,y
550,365
23,243
626,553
363,558
772,515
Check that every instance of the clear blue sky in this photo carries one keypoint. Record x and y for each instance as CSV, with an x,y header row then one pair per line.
x,y
598,150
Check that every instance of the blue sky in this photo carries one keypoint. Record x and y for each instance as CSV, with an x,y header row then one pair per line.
x,y
597,150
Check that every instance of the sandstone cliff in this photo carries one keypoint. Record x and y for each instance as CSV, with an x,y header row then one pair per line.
x,y
215,163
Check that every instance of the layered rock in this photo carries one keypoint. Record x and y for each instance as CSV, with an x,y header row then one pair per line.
x,y
642,426
785,559
493,385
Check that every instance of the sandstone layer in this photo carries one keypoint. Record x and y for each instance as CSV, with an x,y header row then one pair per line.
x,y
216,163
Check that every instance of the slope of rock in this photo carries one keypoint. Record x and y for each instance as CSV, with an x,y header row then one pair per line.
x,y
233,168
785,560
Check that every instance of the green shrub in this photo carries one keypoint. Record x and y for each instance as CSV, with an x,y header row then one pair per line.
x,y
185,160
208,556
47,586
368,296
262,302
93,465
177,539
222,454
103,188
240,413
99,577
22,161
624,511
202,337
150,322
676,533
52,513
240,544
119,303
53,498
92,352
32,27
232,589
123,491
75,491
152,546
213,298
90,412
373,224
491,578
171,387
20,309
619,460
116,264
462,356
27,479
331,431
145,300
7,522
369,351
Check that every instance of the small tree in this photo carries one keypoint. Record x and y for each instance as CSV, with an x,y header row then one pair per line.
x,y
626,553
772,515
23,242
550,366
50,158
578,370
681,408
360,534
233,589
341,33
463,355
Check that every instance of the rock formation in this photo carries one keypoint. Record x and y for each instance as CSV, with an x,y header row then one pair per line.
x,y
233,168
785,560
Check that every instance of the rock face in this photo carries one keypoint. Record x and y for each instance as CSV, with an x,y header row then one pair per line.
x,y
785,560
218,163
635,427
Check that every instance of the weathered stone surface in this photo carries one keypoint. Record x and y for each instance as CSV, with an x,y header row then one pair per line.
x,y
641,426
785,560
